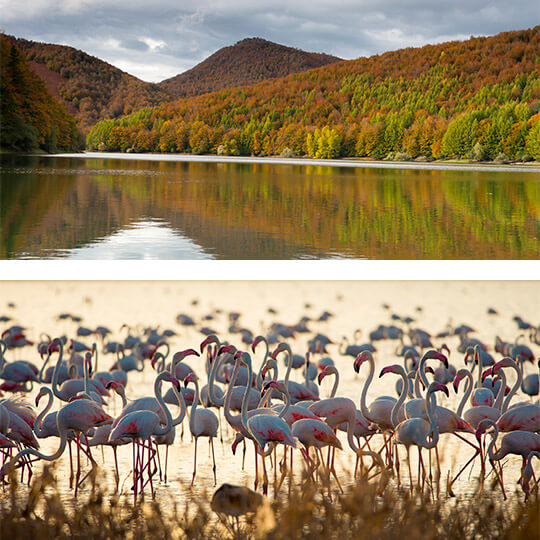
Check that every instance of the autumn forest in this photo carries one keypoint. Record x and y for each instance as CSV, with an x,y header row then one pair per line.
x,y
477,99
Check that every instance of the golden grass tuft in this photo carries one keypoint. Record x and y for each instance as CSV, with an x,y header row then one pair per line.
x,y
40,512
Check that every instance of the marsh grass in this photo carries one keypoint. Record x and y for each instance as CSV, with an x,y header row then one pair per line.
x,y
39,512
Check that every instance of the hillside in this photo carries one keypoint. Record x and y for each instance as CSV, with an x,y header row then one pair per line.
x,y
249,61
477,98
90,88
30,118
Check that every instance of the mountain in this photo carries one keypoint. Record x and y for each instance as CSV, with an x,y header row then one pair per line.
x,y
30,118
249,61
477,98
91,89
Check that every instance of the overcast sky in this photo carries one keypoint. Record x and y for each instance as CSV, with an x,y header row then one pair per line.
x,y
157,39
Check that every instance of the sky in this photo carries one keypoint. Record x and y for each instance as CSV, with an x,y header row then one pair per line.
x,y
157,39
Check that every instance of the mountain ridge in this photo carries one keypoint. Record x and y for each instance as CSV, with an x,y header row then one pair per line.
x,y
248,61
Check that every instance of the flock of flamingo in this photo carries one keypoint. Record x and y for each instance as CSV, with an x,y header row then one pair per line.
x,y
270,411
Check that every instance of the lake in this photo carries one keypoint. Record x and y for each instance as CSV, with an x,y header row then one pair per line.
x,y
104,206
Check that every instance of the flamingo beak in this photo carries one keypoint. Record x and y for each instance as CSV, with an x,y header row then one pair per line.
x,y
321,376
190,352
486,373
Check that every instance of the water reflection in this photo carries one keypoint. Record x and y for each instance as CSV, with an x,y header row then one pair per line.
x,y
71,207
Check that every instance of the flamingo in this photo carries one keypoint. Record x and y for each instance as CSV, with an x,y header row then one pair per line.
x,y
79,415
202,423
141,425
518,442
419,432
528,473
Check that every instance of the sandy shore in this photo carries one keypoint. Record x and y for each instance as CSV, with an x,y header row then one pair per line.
x,y
306,161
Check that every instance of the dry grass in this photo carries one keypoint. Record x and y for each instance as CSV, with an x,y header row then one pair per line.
x,y
40,513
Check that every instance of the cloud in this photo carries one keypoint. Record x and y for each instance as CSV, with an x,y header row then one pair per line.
x,y
162,38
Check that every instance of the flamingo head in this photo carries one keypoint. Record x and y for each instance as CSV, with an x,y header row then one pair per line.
x,y
245,359
278,385
54,345
227,349
190,378
212,338
270,363
436,355
457,379
360,359
324,372
237,440
280,348
115,385
172,379
155,357
483,426
256,341
396,368
88,358
41,393
487,373
439,387
445,347
505,362
180,355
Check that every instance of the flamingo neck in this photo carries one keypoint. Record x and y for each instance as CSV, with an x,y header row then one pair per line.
x,y
500,396
157,391
285,408
214,398
41,415
402,398
259,380
363,406
42,370
194,406
430,405
56,373
227,405
243,410
515,388
467,394
336,383
350,433
289,364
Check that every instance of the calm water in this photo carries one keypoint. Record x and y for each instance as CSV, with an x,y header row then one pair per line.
x,y
108,208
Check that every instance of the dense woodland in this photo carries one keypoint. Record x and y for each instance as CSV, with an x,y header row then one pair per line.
x,y
476,99
30,118
247,62
92,88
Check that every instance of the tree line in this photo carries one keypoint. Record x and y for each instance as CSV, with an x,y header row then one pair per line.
x,y
476,99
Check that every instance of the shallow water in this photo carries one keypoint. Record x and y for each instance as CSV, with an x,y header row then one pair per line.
x,y
110,207
355,305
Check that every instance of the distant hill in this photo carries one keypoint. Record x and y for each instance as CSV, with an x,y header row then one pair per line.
x,y
478,98
249,61
91,89
30,118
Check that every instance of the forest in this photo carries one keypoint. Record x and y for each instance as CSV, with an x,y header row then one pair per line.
x,y
92,88
249,61
30,118
477,99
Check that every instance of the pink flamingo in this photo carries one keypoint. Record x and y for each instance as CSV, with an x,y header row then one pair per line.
x,y
419,432
140,425
518,442
202,423
79,415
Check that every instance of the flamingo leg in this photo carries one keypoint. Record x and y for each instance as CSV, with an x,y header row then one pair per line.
x,y
166,460
244,454
116,473
265,475
194,462
213,459
409,465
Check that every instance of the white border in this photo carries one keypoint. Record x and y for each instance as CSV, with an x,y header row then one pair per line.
x,y
270,270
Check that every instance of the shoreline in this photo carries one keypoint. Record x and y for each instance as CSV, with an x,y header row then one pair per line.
x,y
350,163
